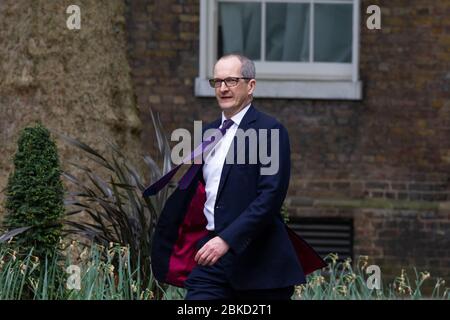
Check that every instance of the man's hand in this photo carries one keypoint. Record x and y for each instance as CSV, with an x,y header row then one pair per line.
x,y
211,252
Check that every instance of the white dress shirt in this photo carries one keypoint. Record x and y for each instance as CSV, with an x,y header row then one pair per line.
x,y
214,161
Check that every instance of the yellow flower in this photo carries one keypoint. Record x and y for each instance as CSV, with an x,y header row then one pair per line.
x,y
73,245
424,275
23,268
347,263
151,295
364,260
350,277
343,290
439,283
124,250
334,257
111,269
298,291
111,254
84,254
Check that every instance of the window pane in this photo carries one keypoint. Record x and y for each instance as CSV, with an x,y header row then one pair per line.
x,y
287,32
333,32
240,29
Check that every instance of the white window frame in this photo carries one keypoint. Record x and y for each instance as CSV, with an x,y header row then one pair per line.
x,y
282,79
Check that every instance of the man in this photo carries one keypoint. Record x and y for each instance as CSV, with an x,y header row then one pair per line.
x,y
223,236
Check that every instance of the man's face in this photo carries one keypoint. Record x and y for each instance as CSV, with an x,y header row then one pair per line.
x,y
232,99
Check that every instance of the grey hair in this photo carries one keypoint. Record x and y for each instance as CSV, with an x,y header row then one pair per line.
x,y
247,66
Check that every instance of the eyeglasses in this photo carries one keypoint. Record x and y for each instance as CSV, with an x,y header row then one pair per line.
x,y
229,82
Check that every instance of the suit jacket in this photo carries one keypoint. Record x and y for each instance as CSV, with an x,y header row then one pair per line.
x,y
264,253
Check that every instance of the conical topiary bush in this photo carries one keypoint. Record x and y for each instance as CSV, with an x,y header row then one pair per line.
x,y
34,194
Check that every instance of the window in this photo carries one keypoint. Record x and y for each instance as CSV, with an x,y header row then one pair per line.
x,y
302,48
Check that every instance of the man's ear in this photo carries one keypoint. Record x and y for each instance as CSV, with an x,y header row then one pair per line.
x,y
251,86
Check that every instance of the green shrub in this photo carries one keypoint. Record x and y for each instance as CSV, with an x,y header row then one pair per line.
x,y
34,194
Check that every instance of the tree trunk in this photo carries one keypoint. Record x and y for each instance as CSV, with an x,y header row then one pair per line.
x,y
75,82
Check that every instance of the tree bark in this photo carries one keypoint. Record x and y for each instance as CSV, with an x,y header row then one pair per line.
x,y
76,82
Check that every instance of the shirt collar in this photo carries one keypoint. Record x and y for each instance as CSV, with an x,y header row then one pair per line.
x,y
237,118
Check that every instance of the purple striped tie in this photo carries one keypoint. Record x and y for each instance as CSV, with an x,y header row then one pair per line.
x,y
192,171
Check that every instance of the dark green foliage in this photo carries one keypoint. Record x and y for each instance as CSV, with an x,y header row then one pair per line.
x,y
118,213
34,195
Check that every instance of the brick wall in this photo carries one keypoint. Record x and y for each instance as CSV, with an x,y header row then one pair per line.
x,y
389,150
